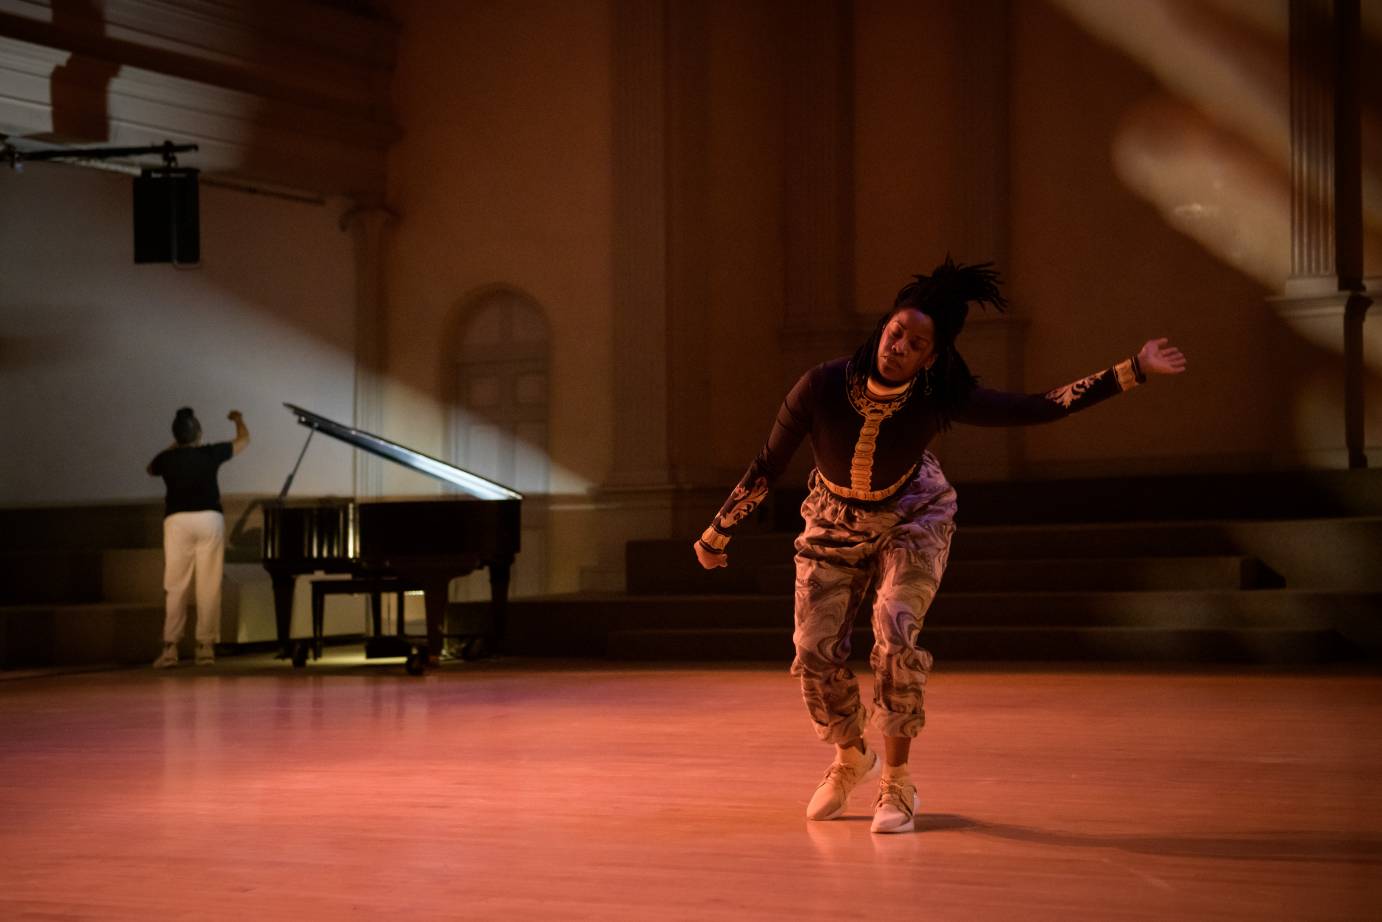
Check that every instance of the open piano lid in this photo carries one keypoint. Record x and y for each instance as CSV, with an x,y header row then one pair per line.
x,y
474,484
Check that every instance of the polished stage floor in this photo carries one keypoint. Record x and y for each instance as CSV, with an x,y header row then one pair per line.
x,y
524,790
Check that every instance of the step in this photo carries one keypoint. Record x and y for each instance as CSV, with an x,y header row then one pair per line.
x,y
134,524
77,635
1073,574
581,625
1301,494
50,577
61,577
1307,554
1104,644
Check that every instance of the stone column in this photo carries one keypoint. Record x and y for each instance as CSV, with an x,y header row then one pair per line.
x,y
635,499
1324,300
368,224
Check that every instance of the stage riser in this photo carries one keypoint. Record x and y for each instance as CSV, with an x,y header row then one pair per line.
x,y
134,525
1302,494
45,577
37,636
1311,554
949,645
589,626
81,577
1091,575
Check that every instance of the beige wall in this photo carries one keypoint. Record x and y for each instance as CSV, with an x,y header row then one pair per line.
x,y
744,256
1145,203
1097,271
988,130
908,204
97,353
502,177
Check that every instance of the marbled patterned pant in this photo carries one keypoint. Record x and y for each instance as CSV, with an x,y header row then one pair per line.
x,y
900,547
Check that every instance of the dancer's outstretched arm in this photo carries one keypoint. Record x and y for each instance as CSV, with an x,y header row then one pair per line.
x,y
986,407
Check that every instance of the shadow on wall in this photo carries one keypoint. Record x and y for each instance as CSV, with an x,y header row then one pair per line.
x,y
1211,152
496,385
79,89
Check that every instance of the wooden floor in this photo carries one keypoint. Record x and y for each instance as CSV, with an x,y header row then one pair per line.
x,y
526,791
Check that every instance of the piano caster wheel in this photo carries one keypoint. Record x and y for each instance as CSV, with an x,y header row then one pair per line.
x,y
300,656
417,661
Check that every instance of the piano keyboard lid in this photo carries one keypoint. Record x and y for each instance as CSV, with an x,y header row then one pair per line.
x,y
474,484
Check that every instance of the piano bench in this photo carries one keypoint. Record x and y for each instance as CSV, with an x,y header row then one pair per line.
x,y
375,586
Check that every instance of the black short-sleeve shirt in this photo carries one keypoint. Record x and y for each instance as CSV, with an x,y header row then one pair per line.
x,y
189,473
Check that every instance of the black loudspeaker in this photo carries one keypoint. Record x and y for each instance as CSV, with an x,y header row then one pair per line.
x,y
166,221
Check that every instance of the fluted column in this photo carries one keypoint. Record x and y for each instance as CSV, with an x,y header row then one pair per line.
x,y
1312,45
1324,299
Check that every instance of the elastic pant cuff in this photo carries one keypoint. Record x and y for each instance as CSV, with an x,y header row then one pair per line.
x,y
897,723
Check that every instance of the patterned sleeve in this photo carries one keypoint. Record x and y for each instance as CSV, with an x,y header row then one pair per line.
x,y
987,407
791,426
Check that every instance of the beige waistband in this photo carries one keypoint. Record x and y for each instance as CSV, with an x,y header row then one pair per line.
x,y
867,496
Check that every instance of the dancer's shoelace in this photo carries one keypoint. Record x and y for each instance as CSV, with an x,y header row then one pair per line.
x,y
896,792
841,772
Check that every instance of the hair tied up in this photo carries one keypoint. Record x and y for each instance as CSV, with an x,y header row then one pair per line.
x,y
945,295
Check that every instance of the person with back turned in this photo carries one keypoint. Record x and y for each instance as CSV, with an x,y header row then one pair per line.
x,y
194,532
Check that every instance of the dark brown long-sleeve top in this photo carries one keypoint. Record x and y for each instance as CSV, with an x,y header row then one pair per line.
x,y
866,448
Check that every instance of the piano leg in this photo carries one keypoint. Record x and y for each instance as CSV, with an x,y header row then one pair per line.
x,y
498,605
283,613
434,590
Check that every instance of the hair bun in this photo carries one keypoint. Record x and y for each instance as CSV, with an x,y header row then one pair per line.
x,y
184,412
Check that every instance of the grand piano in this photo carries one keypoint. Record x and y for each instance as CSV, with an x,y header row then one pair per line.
x,y
414,544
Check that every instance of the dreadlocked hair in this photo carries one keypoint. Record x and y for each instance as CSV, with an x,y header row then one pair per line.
x,y
944,296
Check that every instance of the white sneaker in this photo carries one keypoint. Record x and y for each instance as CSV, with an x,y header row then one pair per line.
x,y
896,807
206,654
832,794
169,656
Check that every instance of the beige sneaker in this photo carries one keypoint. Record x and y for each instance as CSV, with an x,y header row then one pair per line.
x,y
832,794
169,656
206,654
896,806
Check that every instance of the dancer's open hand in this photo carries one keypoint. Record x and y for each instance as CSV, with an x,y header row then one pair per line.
x,y
1159,358
707,559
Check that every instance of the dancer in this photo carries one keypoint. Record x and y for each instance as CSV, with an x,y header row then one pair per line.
x,y
193,531
880,513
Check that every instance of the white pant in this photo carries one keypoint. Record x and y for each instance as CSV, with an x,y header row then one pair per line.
x,y
193,541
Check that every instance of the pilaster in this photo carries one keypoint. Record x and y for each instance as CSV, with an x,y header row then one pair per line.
x,y
1324,300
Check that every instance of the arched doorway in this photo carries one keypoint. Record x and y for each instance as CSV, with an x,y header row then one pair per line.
x,y
498,416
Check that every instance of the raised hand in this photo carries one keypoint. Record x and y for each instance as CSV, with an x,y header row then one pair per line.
x,y
234,416
1158,358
